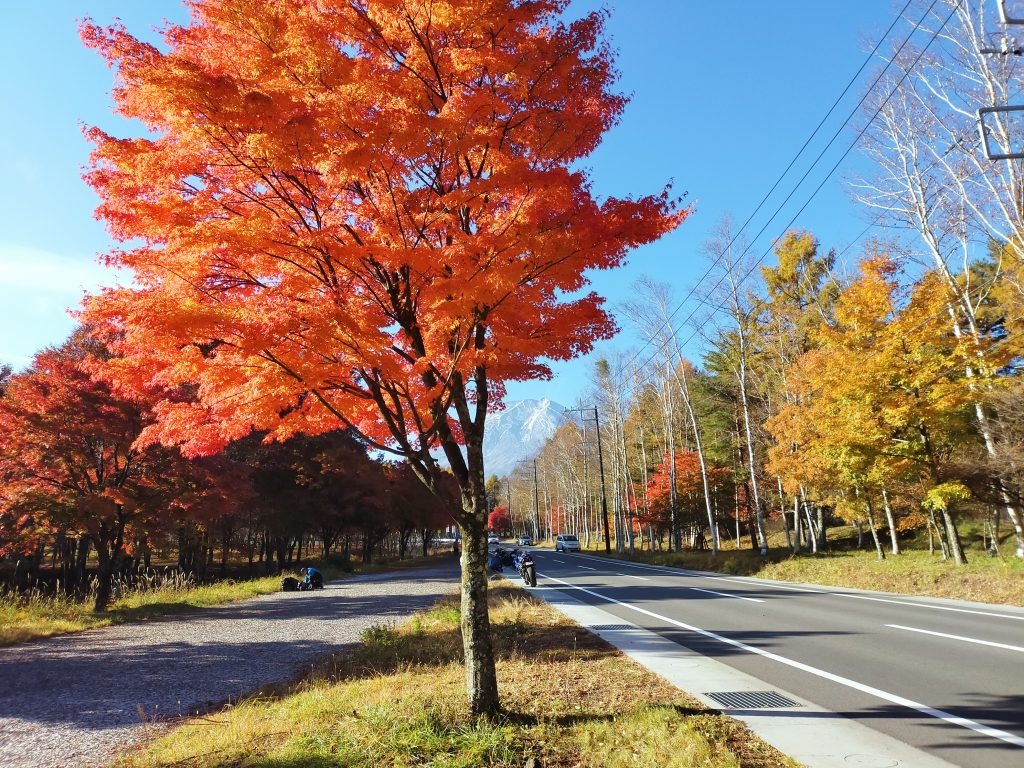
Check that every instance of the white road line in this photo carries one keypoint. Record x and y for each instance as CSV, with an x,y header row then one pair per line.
x,y
892,698
769,585
588,568
631,576
959,637
670,571
926,605
726,594
753,583
558,561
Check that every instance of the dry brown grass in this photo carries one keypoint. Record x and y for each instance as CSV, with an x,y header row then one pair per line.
x,y
39,614
398,699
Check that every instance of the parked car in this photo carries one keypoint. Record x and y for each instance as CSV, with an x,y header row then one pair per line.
x,y
492,538
567,542
525,541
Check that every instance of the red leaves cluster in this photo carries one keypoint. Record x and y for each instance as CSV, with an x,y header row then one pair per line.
x,y
72,460
689,489
499,521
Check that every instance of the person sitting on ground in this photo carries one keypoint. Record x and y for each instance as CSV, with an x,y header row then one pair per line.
x,y
494,560
313,578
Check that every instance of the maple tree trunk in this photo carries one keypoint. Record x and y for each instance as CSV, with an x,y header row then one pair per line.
x,y
103,577
481,678
108,550
281,546
934,528
812,534
782,513
956,548
81,561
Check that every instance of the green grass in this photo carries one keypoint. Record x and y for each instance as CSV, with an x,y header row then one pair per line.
x,y
37,614
398,699
984,579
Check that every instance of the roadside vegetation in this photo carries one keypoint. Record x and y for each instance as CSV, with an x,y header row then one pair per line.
x,y
37,613
804,386
986,578
398,699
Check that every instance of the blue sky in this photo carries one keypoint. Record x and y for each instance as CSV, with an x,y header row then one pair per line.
x,y
723,96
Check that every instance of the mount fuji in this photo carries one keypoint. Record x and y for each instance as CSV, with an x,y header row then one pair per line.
x,y
519,432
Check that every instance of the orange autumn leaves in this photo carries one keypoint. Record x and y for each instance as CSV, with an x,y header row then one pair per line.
x,y
882,397
358,215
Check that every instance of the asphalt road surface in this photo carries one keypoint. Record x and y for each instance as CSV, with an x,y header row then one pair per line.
x,y
944,676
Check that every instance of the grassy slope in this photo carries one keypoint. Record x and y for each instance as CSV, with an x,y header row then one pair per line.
x,y
399,700
915,572
35,616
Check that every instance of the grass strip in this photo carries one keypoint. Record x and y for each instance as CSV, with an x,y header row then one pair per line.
x,y
398,699
37,614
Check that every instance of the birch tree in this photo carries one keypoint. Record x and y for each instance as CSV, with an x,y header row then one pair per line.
x,y
933,179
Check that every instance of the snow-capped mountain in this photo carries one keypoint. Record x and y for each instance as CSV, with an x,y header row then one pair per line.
x,y
519,432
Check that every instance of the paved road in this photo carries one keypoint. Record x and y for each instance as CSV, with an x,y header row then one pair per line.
x,y
944,676
71,700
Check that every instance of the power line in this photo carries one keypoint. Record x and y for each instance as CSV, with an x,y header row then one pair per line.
x,y
799,153
670,337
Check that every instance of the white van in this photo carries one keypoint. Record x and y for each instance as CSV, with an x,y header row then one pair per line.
x,y
567,542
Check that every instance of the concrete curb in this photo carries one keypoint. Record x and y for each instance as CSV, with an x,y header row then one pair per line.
x,y
808,733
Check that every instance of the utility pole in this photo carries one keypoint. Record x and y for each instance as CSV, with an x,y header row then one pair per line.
x,y
536,502
508,494
600,467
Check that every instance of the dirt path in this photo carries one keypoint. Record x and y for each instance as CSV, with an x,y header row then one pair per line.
x,y
71,700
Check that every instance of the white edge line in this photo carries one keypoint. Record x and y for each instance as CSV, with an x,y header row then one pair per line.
x,y
631,576
959,637
771,585
926,605
892,698
726,594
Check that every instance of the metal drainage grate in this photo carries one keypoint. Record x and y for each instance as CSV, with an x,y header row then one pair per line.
x,y
752,699
611,626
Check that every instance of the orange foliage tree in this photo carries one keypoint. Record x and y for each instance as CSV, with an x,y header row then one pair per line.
x,y
882,397
363,215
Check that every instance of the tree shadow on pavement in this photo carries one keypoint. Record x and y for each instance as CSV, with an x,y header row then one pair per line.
x,y
113,677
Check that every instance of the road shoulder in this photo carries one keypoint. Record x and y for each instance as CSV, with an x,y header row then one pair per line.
x,y
806,732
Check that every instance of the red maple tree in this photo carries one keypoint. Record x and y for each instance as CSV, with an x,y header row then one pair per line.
x,y
72,462
500,521
689,491
363,215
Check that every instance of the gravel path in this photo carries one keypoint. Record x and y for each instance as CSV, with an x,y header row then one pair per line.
x,y
73,700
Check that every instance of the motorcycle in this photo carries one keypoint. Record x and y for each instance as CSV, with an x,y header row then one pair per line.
x,y
523,561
